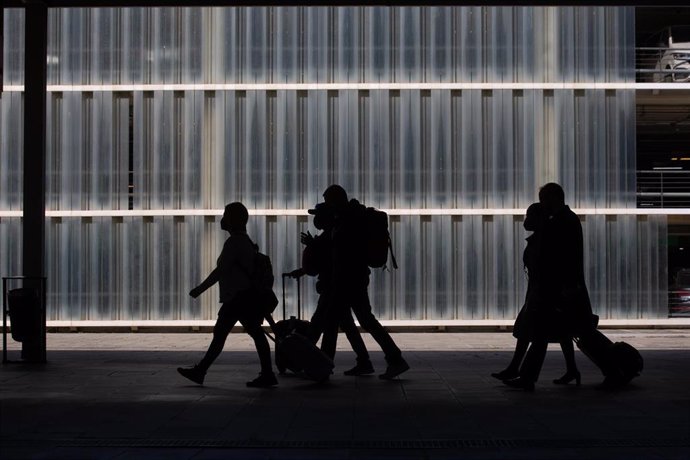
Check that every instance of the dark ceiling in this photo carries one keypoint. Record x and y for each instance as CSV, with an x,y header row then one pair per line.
x,y
663,117
649,20
114,3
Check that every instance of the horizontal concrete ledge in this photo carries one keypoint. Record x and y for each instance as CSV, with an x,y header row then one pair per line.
x,y
370,86
393,325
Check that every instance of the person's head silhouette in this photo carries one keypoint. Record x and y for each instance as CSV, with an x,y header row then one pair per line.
x,y
552,197
533,217
323,216
335,196
235,218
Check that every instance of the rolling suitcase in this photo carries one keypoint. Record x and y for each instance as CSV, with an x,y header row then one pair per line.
x,y
294,348
286,327
293,323
620,362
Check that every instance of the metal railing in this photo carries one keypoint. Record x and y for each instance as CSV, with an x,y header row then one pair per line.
x,y
663,189
659,65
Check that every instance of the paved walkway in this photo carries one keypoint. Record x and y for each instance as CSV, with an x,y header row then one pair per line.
x,y
118,396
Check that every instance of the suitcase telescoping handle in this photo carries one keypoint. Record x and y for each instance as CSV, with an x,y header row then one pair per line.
x,y
299,296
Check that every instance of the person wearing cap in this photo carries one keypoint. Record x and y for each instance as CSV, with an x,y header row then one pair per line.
x,y
350,281
316,261
235,263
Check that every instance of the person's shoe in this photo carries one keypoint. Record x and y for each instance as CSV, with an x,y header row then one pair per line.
x,y
395,369
569,377
520,383
506,374
193,373
363,368
263,381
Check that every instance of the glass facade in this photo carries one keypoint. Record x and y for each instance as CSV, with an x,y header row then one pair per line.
x,y
451,118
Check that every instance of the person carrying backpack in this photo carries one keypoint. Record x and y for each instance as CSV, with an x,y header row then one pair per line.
x,y
242,300
351,257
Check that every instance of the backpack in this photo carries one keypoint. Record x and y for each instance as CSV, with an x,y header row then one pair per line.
x,y
262,277
260,294
377,239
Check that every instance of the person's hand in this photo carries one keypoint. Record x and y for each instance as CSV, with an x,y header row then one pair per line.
x,y
306,238
196,292
296,273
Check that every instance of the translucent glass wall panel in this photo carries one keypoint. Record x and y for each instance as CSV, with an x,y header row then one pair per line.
x,y
13,52
10,246
391,148
340,45
11,142
165,148
462,267
11,149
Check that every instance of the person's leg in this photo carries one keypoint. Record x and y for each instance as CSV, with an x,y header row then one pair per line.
x,y
513,369
262,347
330,330
569,354
571,367
226,320
534,360
224,325
519,354
348,326
364,365
252,325
362,309
318,321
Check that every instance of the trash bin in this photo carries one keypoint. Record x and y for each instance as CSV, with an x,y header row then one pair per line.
x,y
24,309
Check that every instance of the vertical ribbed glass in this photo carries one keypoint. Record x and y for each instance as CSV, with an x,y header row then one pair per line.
x,y
163,147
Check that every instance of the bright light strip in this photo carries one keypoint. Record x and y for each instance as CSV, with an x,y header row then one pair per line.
x,y
352,86
391,212
651,322
11,213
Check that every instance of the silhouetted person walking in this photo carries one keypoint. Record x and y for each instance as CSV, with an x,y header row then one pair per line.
x,y
233,275
523,329
317,260
561,300
524,323
351,281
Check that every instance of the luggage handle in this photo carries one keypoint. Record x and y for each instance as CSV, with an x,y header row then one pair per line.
x,y
269,317
299,296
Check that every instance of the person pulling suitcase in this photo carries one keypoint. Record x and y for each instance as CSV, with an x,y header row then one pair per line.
x,y
317,261
561,305
295,350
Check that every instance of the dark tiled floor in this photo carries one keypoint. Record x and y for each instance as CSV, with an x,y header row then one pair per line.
x,y
118,396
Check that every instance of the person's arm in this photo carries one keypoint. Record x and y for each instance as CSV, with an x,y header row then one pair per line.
x,y
298,273
210,280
